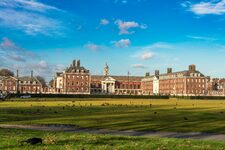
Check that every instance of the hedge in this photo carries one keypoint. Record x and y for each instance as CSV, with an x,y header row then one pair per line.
x,y
90,96
200,97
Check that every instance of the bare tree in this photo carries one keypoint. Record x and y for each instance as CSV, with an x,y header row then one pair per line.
x,y
42,80
51,82
6,72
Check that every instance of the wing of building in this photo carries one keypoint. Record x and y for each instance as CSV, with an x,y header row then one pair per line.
x,y
184,83
25,84
119,85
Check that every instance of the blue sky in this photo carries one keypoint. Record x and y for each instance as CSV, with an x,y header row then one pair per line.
x,y
130,35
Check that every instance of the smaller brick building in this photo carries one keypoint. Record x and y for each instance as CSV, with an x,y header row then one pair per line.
x,y
29,85
10,84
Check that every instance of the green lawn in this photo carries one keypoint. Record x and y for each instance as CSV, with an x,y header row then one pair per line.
x,y
11,140
119,114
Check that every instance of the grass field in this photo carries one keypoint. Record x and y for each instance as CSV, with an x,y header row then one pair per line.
x,y
11,139
119,114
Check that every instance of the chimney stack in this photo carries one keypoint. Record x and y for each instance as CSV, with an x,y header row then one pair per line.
x,y
169,70
78,63
192,68
147,74
157,72
31,73
74,63
17,73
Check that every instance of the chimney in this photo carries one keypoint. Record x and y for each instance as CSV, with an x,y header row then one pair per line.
x,y
74,63
78,63
17,73
156,72
169,70
192,68
147,74
31,73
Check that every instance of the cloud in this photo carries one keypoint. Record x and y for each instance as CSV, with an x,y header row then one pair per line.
x,y
17,57
7,43
214,7
146,55
10,51
123,43
27,4
159,45
30,17
125,26
140,66
104,22
120,1
147,52
92,46
201,38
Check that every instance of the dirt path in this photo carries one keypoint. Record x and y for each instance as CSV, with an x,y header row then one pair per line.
x,y
69,128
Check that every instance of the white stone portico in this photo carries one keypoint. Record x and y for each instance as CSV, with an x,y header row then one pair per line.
x,y
155,85
108,85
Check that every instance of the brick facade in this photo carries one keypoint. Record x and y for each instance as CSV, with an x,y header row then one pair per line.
x,y
76,79
29,85
190,82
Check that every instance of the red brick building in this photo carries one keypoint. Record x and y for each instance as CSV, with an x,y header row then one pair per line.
x,y
17,84
189,82
10,84
29,85
216,86
76,79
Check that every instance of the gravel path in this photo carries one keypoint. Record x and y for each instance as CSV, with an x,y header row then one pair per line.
x,y
70,128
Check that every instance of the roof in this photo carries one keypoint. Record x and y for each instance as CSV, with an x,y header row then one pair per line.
x,y
72,69
59,74
117,78
185,73
2,77
28,78
9,77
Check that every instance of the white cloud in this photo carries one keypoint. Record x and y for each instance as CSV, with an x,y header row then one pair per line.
x,y
123,43
215,7
147,52
125,26
10,51
146,55
30,17
92,46
201,38
159,45
27,4
104,22
141,66
121,1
